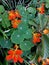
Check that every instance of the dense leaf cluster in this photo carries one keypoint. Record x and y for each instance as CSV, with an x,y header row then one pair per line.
x,y
32,21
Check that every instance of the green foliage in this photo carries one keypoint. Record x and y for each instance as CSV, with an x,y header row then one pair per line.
x,y
2,9
32,21
5,43
31,10
28,34
47,3
22,27
26,45
45,43
5,21
42,20
17,37
21,10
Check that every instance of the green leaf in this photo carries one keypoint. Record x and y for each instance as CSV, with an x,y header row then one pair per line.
x,y
26,45
43,20
25,53
0,18
17,37
6,62
28,34
31,16
24,13
21,9
1,63
47,0
31,10
47,5
45,49
32,23
5,20
24,19
2,9
22,27
5,43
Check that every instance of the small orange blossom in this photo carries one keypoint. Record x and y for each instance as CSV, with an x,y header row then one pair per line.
x,y
39,59
47,61
36,38
46,31
16,46
12,15
17,14
41,9
14,55
15,23
44,63
32,64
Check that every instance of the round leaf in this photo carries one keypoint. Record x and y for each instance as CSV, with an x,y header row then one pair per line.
x,y
5,20
22,27
17,37
31,10
45,44
2,9
28,34
26,45
5,43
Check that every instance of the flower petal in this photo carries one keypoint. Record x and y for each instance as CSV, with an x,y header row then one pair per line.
x,y
17,14
19,52
10,52
20,59
15,59
8,57
11,15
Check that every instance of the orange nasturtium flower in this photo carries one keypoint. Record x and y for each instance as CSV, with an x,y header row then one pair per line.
x,y
46,31
47,61
15,56
39,59
32,64
15,23
36,38
17,14
44,63
12,15
16,46
41,9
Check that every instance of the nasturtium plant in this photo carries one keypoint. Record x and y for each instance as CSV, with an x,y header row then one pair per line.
x,y
45,46
5,43
31,10
2,9
17,37
28,34
26,45
5,20
24,32
23,27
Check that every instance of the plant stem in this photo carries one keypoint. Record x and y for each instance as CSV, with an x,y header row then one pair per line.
x,y
7,63
26,62
14,63
4,3
3,34
18,63
28,4
44,27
